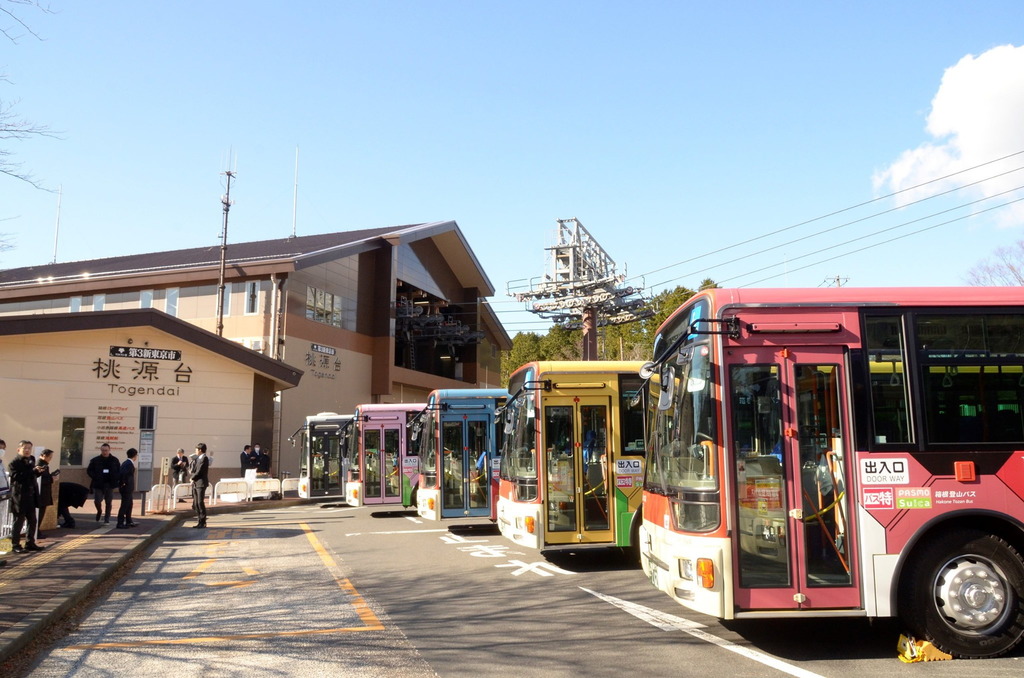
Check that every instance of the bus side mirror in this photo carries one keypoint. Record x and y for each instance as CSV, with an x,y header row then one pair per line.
x,y
667,388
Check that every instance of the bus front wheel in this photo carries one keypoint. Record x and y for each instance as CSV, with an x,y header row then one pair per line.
x,y
965,594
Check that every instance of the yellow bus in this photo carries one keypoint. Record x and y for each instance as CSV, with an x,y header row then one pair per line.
x,y
573,461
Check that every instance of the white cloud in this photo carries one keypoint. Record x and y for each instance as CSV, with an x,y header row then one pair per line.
x,y
976,116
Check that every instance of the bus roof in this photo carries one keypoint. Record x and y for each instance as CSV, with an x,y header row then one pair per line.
x,y
852,296
457,393
581,366
373,408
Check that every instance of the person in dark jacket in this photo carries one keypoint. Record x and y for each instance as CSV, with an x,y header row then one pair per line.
x,y
262,460
199,474
127,489
70,495
246,460
179,467
24,497
45,488
104,470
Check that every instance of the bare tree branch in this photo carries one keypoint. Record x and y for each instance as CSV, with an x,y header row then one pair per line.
x,y
1004,268
19,24
13,127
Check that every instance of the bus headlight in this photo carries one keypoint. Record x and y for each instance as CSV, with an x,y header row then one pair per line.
x,y
686,569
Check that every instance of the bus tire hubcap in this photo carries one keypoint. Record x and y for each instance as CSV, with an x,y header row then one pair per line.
x,y
970,593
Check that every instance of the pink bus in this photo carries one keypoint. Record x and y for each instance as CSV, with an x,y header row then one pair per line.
x,y
381,463
842,452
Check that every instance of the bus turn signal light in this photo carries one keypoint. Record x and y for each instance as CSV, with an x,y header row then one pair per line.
x,y
430,503
706,573
530,523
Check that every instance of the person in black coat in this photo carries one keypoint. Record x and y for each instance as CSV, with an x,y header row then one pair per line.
x,y
104,471
45,488
199,473
127,489
246,460
262,461
24,497
68,495
179,467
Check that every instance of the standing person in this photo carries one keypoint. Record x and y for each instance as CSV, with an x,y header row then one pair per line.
x,y
200,476
179,467
104,471
243,460
4,487
24,497
262,461
45,488
127,487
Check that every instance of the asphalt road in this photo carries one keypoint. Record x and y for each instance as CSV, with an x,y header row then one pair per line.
x,y
335,591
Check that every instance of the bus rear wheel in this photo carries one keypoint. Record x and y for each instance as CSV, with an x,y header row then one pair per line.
x,y
965,594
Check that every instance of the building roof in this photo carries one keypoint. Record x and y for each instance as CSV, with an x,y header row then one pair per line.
x,y
242,258
282,374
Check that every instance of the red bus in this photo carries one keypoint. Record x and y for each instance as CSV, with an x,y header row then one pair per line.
x,y
842,452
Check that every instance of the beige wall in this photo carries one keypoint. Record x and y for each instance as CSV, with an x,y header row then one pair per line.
x,y
45,377
323,389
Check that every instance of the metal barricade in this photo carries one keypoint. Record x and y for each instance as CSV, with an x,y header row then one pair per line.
x,y
231,491
180,491
289,485
157,500
264,487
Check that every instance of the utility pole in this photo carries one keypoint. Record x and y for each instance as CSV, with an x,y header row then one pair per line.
x,y
837,281
226,201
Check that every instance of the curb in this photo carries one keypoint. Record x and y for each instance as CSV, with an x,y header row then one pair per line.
x,y
19,635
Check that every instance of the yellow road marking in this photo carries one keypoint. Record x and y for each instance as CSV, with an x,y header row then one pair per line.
x,y
358,603
218,639
199,570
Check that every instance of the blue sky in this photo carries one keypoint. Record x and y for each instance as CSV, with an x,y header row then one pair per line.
x,y
674,131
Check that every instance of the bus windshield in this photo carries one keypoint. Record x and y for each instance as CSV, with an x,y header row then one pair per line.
x,y
519,458
682,435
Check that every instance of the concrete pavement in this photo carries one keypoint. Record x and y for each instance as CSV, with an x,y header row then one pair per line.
x,y
38,589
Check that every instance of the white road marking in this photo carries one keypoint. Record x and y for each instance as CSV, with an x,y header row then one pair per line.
x,y
356,534
668,622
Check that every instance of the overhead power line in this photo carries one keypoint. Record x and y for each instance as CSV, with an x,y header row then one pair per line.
x,y
851,208
867,247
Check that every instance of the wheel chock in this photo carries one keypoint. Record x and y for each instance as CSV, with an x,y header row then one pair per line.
x,y
910,650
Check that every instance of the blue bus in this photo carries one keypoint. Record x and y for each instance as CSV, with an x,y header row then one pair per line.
x,y
458,440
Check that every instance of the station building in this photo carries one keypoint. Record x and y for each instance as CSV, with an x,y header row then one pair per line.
x,y
238,344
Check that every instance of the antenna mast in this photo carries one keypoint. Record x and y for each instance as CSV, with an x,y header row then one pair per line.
x,y
295,194
56,229
226,201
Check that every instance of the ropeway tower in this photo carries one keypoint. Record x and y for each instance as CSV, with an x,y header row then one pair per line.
x,y
582,289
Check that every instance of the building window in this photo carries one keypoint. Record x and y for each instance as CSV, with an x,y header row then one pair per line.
x,y
171,301
146,299
252,297
72,437
98,301
228,287
76,304
323,307
147,417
